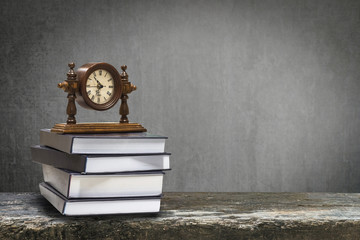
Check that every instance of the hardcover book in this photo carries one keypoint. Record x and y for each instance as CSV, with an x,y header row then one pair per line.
x,y
75,185
84,206
100,163
110,143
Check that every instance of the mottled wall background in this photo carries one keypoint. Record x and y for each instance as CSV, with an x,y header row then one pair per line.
x,y
254,95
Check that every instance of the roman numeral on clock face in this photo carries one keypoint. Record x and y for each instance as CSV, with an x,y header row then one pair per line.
x,y
100,72
93,97
108,93
98,100
89,92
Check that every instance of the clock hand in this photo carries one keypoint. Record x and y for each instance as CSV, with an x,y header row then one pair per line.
x,y
99,84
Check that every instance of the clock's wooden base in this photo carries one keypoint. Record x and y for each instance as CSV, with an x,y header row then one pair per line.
x,y
105,127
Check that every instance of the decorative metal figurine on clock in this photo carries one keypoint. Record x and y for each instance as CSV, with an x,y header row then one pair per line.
x,y
97,86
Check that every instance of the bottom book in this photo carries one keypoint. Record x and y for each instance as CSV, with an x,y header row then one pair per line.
x,y
99,206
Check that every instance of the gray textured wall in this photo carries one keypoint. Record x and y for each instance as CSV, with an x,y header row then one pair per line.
x,y
254,95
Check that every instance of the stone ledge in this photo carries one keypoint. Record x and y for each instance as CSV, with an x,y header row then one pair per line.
x,y
193,216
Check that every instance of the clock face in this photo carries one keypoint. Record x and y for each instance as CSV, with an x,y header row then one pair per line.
x,y
100,86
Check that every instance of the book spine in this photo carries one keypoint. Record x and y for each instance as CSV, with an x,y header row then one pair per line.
x,y
58,159
57,141
54,199
58,179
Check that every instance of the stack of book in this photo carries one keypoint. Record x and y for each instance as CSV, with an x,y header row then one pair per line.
x,y
91,174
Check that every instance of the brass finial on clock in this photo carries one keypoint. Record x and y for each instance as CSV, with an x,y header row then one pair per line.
x,y
127,88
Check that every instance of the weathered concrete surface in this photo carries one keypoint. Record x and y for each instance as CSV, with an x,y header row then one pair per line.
x,y
193,216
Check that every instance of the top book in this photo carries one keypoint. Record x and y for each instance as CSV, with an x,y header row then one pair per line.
x,y
109,143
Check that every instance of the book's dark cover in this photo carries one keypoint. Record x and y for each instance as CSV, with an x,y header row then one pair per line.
x,y
49,156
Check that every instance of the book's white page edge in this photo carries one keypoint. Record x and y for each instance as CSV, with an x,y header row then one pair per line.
x,y
99,186
127,163
118,145
166,163
112,207
54,199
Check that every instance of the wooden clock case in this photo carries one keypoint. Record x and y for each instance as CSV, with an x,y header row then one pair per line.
x,y
83,74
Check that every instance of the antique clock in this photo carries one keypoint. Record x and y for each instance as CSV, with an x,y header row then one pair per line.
x,y
100,86
97,86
